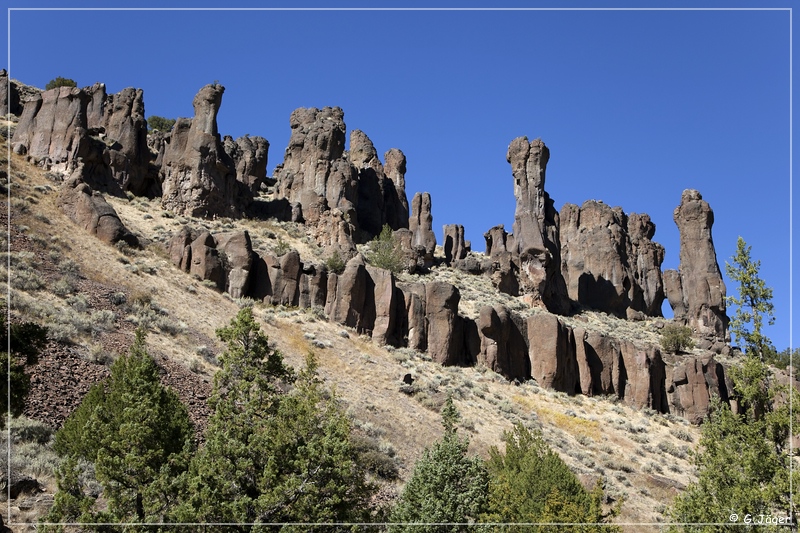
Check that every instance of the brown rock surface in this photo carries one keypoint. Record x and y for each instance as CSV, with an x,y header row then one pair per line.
x,y
250,155
536,227
198,176
206,263
238,252
90,211
697,289
455,248
692,383
347,294
380,307
445,335
551,346
412,327
502,344
420,224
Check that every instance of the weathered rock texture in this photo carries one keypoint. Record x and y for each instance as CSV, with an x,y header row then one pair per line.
x,y
696,291
503,346
691,385
198,176
90,211
609,261
536,233
9,95
249,155
319,175
107,133
381,199
423,240
455,249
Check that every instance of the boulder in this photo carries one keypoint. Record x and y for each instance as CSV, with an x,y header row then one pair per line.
x,y
646,375
445,335
180,249
696,292
206,263
536,237
413,326
600,364
198,177
89,210
347,295
380,307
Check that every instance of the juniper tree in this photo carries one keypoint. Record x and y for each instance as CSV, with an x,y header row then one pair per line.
x,y
530,483
448,487
273,453
753,304
20,344
137,434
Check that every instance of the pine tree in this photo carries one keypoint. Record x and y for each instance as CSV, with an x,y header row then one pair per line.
x,y
754,302
272,456
529,483
138,436
447,488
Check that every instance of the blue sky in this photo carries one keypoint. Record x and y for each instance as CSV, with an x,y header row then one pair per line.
x,y
635,106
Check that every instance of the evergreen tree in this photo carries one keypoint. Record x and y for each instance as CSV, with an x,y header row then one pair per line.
x,y
272,456
60,81
20,344
447,488
754,302
154,122
744,461
139,437
529,483
385,251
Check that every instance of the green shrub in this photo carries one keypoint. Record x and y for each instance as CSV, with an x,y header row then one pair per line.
x,y
60,82
335,263
282,247
385,251
155,122
675,338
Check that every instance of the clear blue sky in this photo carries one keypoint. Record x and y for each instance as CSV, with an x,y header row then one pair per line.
x,y
635,106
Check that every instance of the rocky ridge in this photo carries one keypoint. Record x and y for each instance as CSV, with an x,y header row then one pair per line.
x,y
592,256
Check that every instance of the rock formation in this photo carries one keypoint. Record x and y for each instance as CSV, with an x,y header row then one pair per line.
x,y
503,344
9,95
238,254
536,227
692,383
609,261
381,199
445,336
455,249
420,224
696,291
90,211
249,156
198,176
315,171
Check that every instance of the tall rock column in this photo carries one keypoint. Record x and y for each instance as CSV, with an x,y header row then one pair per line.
x,y
536,226
198,176
696,291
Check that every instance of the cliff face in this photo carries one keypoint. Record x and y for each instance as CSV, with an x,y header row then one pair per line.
x,y
588,257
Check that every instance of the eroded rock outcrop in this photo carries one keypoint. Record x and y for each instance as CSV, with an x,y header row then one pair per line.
x,y
420,224
455,248
198,176
10,98
696,291
90,211
445,335
536,233
316,172
609,261
249,156
503,346
691,384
